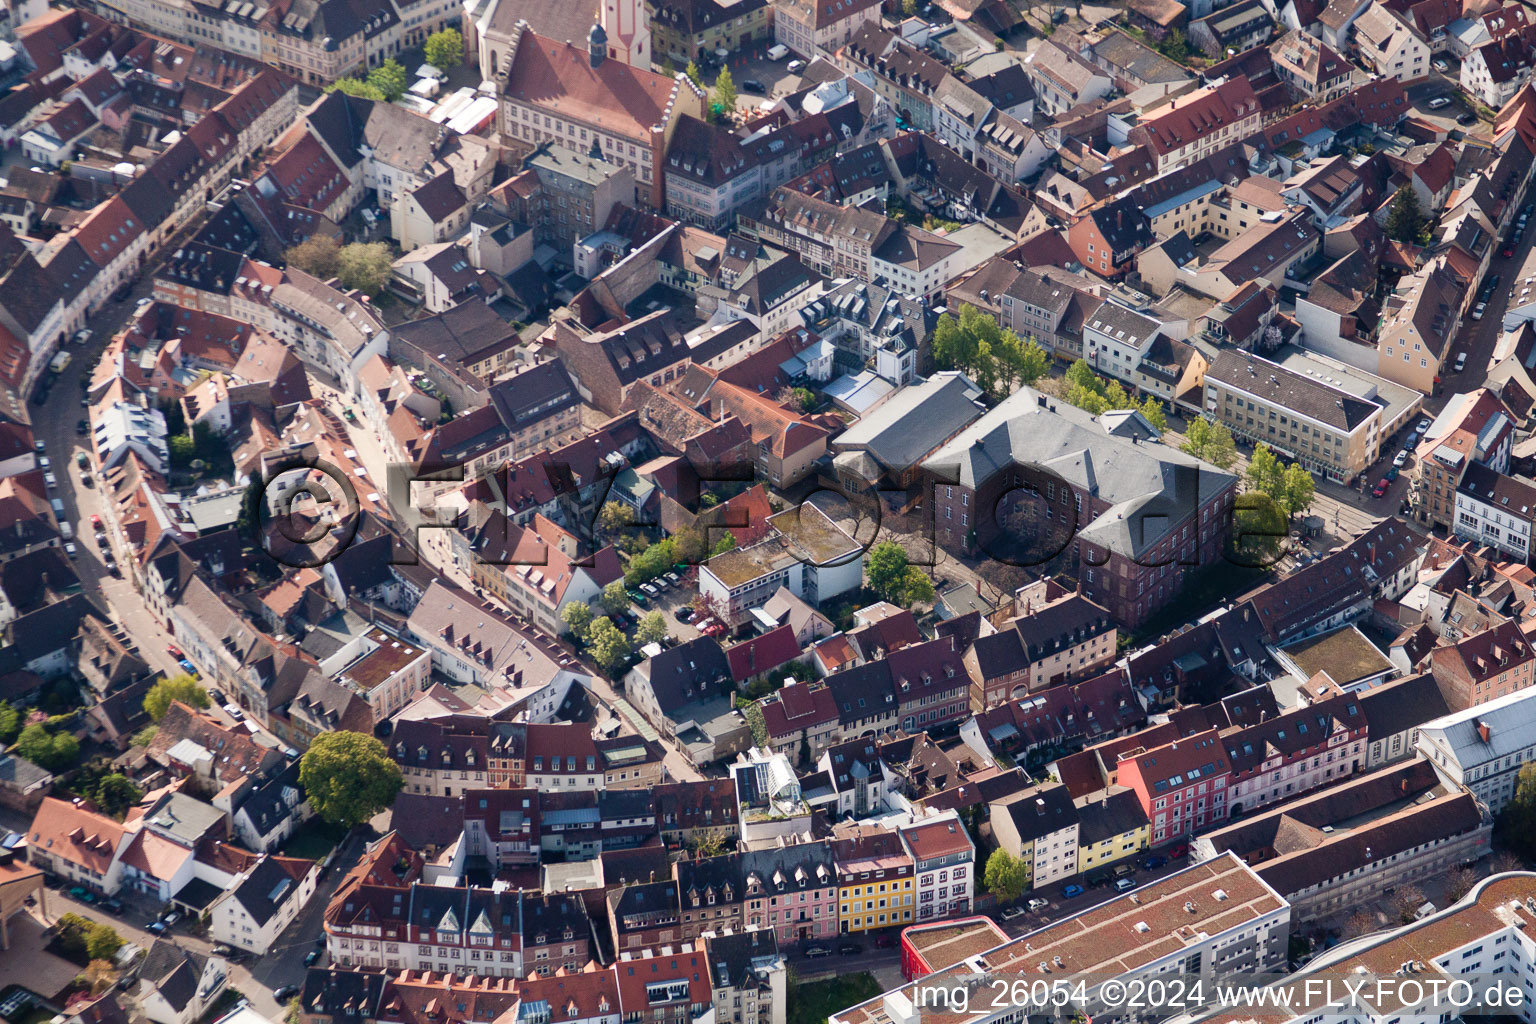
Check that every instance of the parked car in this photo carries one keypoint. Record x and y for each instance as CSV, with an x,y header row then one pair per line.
x,y
1069,892
812,952
1124,884
684,614
43,462
96,523
223,949
1380,490
82,427
1013,912
1438,102
1124,870
885,940
50,481
794,67
753,85
1179,850
155,928
1096,879
1461,361
1154,862
1478,310
283,993
1392,473
171,918
187,667
170,649
70,549
1422,426
113,904
1440,65
217,695
1038,904
310,957
1400,459
849,949
233,711
146,300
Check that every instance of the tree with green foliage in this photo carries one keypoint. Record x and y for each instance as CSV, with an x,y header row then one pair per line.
x,y
917,587
652,628
295,1011
180,687
1264,472
315,255
102,942
1175,47
908,8
116,793
694,74
652,562
182,450
444,50
10,724
349,777
725,92
1515,826
886,565
615,598
365,266
615,516
48,750
578,619
726,542
357,87
1152,411
1297,490
607,645
1211,442
1405,220
1260,529
145,736
1006,876
390,79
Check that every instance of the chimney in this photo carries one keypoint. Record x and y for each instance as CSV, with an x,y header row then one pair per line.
x,y
1483,731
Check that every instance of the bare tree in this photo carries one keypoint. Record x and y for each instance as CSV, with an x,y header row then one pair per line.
x,y
1507,861
1361,922
1406,902
1458,882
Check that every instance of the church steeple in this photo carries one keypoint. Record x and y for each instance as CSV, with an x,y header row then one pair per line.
x,y
628,27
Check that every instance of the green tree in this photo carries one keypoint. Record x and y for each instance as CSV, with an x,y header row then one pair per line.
x,y
182,450
1516,823
180,687
357,87
349,777
1405,220
606,644
145,736
1260,529
916,586
1152,409
1175,47
295,1011
102,942
886,565
1080,374
365,266
1296,490
390,79
315,255
116,793
652,628
578,619
1006,877
10,724
908,8
1211,442
695,75
725,92
652,562
726,542
45,749
615,516
444,50
1265,471
615,598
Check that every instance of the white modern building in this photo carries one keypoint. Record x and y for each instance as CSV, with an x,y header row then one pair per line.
x,y
807,553
262,902
1495,509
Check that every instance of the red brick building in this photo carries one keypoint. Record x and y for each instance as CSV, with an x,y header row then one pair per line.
x,y
1483,666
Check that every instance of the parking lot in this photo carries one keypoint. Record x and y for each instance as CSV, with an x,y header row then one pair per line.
x,y
752,65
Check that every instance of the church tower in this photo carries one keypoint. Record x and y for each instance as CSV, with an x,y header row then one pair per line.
x,y
628,27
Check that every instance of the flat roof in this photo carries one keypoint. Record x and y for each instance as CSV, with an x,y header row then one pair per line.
x,y
1345,654
374,668
947,943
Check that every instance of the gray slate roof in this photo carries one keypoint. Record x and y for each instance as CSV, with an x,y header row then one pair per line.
x,y
915,420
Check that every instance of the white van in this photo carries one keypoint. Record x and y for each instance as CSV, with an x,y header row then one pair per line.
x,y
66,531
778,51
